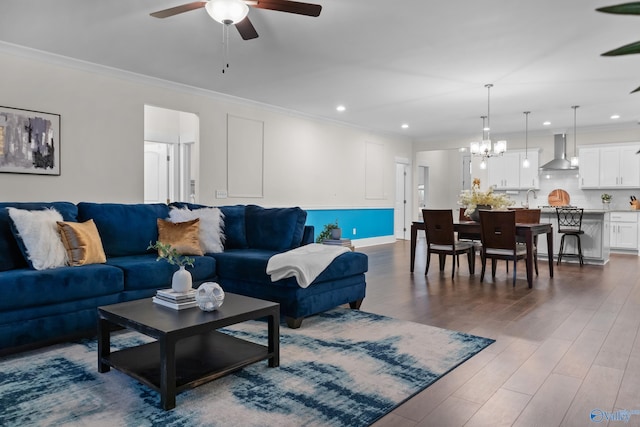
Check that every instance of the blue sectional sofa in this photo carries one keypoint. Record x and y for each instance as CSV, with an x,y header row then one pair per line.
x,y
43,306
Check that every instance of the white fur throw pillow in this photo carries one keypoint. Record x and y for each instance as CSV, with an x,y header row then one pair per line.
x,y
211,226
39,233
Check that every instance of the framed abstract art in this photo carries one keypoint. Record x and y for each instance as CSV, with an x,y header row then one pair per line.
x,y
29,142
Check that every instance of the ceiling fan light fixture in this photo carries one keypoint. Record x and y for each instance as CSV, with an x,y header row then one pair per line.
x,y
227,12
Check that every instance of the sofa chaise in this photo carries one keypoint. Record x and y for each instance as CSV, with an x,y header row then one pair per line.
x,y
44,306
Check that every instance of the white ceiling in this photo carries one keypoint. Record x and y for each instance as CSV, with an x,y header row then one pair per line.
x,y
388,62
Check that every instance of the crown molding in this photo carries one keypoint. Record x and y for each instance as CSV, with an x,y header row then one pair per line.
x,y
78,64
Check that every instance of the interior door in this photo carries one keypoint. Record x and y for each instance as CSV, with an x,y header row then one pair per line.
x,y
400,211
156,172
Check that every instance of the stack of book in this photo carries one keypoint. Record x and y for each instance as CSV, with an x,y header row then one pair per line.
x,y
338,242
176,300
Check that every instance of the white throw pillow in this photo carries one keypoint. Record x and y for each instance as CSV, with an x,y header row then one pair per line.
x,y
211,226
39,233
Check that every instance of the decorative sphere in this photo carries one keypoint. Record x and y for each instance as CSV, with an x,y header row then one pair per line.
x,y
209,296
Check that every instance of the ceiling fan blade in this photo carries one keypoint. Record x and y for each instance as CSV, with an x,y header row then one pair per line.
x,y
178,9
246,29
299,8
624,9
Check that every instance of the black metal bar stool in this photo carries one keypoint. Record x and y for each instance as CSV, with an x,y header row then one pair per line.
x,y
570,224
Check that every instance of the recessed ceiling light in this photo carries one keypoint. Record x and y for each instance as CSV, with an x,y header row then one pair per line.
x,y
462,149
547,123
405,126
341,108
615,116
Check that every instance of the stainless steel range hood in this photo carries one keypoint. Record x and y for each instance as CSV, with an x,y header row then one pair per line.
x,y
559,161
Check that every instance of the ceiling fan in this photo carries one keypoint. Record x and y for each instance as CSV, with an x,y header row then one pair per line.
x,y
234,12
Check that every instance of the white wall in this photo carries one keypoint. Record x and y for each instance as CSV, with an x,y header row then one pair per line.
x,y
445,177
308,162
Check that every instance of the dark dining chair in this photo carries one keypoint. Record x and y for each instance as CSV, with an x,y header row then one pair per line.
x,y
441,239
468,237
498,233
529,216
570,224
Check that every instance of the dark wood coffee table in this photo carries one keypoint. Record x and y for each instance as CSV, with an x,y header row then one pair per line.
x,y
188,351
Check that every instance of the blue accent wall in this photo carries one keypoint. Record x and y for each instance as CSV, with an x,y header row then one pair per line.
x,y
367,222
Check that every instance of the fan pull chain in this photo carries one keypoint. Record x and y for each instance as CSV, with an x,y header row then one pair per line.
x,y
225,43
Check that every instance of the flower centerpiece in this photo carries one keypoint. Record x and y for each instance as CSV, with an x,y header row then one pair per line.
x,y
474,198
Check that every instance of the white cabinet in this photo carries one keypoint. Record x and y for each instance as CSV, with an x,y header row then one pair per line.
x,y
529,177
624,230
629,167
589,168
614,166
506,172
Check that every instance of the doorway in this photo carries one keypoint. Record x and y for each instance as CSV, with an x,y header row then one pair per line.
x,y
401,215
170,146
423,189
466,172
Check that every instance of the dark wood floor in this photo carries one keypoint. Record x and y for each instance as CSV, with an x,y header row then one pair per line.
x,y
564,348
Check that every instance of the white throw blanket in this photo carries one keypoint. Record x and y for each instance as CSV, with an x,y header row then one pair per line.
x,y
304,263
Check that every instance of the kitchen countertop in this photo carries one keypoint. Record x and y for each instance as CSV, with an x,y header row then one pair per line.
x,y
586,211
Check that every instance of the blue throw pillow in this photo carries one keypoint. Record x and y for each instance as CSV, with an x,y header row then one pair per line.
x,y
278,229
124,229
235,234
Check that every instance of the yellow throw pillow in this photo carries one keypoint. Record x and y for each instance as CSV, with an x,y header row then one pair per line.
x,y
184,237
82,242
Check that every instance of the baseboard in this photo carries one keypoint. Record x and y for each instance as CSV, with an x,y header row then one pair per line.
x,y
372,241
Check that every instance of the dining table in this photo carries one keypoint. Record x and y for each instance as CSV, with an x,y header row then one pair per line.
x,y
527,231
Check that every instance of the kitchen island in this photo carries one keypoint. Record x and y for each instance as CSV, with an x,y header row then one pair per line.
x,y
596,240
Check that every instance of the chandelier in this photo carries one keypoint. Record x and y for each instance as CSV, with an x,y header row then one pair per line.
x,y
485,148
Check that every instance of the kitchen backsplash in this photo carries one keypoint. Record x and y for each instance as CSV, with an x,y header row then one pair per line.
x,y
568,181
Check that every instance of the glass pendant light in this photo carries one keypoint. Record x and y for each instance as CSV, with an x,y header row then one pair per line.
x,y
574,159
525,162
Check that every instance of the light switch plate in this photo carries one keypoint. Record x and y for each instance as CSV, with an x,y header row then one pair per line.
x,y
221,194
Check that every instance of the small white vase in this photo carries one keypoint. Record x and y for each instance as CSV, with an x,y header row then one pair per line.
x,y
181,281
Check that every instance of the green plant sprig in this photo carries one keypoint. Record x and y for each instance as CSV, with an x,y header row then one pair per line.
x,y
171,255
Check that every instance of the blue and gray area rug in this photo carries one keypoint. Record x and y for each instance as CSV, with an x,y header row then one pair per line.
x,y
342,368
